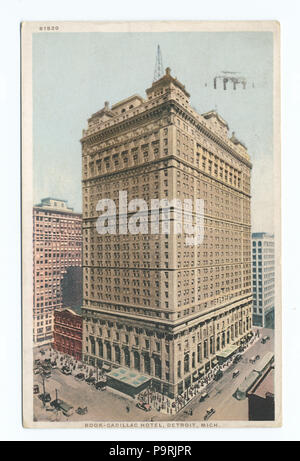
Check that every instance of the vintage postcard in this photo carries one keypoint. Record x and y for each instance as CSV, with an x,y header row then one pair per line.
x,y
151,224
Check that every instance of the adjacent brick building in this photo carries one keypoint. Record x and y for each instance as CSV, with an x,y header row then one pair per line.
x,y
68,332
57,246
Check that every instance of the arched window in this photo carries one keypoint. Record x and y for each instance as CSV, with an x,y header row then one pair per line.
x,y
186,363
100,349
158,368
117,354
136,360
108,351
179,368
223,339
127,357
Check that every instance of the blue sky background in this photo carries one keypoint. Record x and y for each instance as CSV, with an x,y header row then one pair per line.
x,y
74,73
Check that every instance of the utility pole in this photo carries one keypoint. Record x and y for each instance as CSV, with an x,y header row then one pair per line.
x,y
159,70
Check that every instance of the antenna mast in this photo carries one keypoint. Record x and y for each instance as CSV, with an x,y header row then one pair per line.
x,y
158,72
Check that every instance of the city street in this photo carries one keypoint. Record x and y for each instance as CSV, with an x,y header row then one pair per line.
x,y
102,405
108,405
221,392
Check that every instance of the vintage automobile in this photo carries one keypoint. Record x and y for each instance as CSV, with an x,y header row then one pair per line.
x,y
36,371
203,396
265,339
46,397
100,385
80,376
144,406
82,410
66,370
90,380
237,358
235,373
209,413
45,366
252,359
218,375
46,374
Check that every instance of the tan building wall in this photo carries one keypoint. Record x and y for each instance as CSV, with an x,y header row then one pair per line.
x,y
159,302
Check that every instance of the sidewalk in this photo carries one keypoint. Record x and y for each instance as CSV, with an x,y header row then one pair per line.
x,y
170,406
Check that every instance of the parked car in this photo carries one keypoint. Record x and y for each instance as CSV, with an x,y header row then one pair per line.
x,y
79,376
265,339
218,375
36,371
203,396
46,374
82,410
235,373
90,380
66,370
45,397
237,358
252,359
100,385
45,366
36,389
143,406
209,413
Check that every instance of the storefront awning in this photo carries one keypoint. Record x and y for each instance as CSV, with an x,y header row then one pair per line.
x,y
106,367
225,353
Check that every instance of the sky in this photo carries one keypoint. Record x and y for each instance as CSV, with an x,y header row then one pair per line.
x,y
74,73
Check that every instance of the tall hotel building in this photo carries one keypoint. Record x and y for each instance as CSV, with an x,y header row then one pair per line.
x,y
263,277
151,303
57,245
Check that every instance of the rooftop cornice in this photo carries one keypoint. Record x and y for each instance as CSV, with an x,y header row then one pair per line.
x,y
165,106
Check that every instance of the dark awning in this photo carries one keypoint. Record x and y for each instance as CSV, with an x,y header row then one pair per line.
x,y
106,367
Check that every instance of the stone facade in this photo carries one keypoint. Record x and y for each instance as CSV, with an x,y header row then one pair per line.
x,y
150,301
